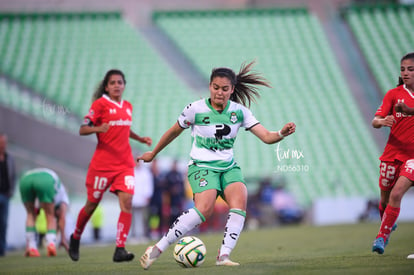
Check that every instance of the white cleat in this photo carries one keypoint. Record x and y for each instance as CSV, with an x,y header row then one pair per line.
x,y
225,260
149,257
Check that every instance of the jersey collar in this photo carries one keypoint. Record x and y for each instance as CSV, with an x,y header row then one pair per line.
x,y
214,110
119,104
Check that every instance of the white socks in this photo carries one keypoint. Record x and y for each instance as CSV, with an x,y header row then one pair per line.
x,y
234,226
187,221
31,238
51,237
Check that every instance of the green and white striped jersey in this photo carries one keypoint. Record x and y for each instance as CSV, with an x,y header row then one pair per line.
x,y
214,133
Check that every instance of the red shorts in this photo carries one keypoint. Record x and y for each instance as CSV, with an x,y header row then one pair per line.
x,y
97,182
390,171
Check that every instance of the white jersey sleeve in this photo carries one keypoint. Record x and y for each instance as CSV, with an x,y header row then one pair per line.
x,y
249,119
187,116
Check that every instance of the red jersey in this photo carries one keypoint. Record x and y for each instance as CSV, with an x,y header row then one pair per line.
x,y
113,151
400,144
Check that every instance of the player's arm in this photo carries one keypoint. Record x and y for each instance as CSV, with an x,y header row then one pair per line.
x,y
270,137
61,216
166,139
135,136
88,128
380,121
403,108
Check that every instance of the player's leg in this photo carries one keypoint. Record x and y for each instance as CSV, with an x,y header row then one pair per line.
x,y
31,244
385,195
83,217
235,195
96,185
49,209
188,220
45,188
391,213
123,227
205,184
28,196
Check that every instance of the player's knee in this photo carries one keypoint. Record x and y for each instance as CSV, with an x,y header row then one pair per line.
x,y
206,210
396,197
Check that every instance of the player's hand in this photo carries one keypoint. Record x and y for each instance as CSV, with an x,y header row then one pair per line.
x,y
288,129
146,157
388,121
64,243
401,107
146,140
103,128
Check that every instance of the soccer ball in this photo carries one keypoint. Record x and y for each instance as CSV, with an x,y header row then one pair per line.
x,y
190,251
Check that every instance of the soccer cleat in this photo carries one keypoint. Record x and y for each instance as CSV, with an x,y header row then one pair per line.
x,y
51,250
121,255
32,252
392,229
225,260
74,248
149,257
378,245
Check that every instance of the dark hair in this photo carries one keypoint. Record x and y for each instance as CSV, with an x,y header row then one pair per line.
x,y
100,91
405,57
244,83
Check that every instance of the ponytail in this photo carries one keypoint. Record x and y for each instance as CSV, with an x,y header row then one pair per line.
x,y
244,83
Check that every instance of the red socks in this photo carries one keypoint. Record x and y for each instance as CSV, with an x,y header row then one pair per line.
x,y
389,218
124,223
83,218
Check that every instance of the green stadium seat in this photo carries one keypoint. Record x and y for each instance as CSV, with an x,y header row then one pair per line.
x,y
384,33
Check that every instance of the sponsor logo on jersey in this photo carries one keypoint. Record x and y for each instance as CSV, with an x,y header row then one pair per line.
x,y
120,122
233,117
203,182
206,120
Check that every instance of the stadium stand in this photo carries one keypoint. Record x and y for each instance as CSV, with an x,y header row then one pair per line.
x,y
62,57
35,106
339,154
384,34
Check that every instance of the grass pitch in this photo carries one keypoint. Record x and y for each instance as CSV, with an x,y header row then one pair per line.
x,y
344,249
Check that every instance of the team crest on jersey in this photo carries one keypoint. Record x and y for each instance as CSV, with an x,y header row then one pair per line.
x,y
129,182
233,117
128,111
203,182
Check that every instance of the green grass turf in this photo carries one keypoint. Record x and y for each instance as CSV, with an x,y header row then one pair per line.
x,y
342,249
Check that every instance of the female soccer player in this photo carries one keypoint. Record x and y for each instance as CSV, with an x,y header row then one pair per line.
x,y
40,183
212,170
397,160
112,165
